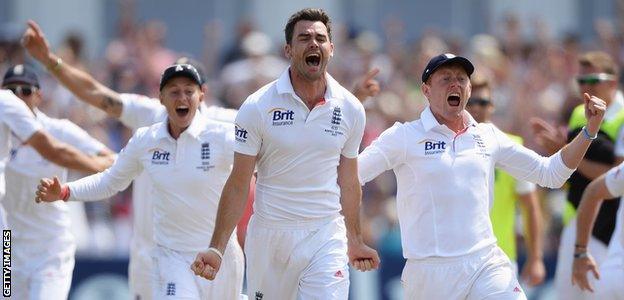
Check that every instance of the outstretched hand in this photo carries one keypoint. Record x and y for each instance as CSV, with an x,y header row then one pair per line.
x,y
48,190
367,86
35,42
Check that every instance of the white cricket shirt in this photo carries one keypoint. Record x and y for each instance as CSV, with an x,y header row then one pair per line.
x,y
445,181
31,221
298,150
187,174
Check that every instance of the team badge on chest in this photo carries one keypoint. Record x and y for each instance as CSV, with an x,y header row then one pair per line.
x,y
336,119
205,158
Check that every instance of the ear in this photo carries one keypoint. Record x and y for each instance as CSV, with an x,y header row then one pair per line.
x,y
288,51
426,90
331,49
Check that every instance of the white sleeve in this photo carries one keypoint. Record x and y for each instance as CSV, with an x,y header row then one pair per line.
x,y
16,115
114,179
619,143
79,138
248,131
352,146
614,180
524,164
385,153
524,187
140,111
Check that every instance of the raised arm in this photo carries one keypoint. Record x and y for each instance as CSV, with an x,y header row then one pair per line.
x,y
231,208
80,83
573,152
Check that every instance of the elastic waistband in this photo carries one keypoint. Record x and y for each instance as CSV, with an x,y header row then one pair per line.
x,y
292,224
453,259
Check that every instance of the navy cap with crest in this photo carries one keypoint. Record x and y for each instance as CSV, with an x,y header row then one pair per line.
x,y
180,70
23,74
443,59
201,69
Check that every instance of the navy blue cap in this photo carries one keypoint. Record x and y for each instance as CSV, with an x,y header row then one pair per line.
x,y
444,59
180,70
21,74
195,63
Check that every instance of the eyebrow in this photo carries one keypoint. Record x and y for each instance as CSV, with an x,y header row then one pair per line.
x,y
305,34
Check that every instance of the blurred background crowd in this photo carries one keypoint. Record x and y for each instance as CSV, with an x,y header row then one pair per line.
x,y
528,50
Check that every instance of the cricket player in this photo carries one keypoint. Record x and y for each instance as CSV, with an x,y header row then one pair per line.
x,y
134,111
444,163
43,265
302,133
188,158
508,192
608,283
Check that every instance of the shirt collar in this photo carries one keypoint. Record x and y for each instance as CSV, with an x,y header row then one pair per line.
x,y
284,85
429,121
194,130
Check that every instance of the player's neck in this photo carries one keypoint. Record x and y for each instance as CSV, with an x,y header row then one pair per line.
x,y
310,91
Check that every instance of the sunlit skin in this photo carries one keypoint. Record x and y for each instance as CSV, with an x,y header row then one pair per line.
x,y
604,90
310,39
446,84
31,101
181,97
481,113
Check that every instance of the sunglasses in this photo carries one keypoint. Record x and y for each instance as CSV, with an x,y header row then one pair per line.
x,y
24,90
479,101
593,79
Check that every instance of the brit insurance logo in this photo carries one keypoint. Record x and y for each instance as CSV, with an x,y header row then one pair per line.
x,y
240,134
282,116
160,156
433,146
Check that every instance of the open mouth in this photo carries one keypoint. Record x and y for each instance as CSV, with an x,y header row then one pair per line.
x,y
453,99
182,110
313,59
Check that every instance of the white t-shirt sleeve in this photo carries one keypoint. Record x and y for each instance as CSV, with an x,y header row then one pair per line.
x,y
524,164
614,180
79,138
117,178
140,111
16,115
352,146
524,187
385,153
248,131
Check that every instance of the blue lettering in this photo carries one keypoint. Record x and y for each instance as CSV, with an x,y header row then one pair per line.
x,y
435,145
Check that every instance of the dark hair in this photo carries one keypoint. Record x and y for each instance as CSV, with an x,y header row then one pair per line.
x,y
306,14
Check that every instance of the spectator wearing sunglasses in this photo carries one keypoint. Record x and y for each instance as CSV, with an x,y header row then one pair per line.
x,y
44,263
507,192
598,75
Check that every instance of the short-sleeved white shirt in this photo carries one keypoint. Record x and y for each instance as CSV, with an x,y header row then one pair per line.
x,y
298,150
36,222
16,118
187,174
445,181
614,180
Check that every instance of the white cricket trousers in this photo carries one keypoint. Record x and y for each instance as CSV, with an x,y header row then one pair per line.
x,y
297,260
176,280
484,274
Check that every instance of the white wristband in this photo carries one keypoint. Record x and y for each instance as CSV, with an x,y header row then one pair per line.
x,y
216,251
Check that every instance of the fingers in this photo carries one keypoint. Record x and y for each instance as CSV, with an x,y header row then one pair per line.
x,y
371,74
209,272
56,182
35,27
364,265
595,271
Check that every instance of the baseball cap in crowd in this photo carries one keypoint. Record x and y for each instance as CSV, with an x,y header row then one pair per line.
x,y
195,63
444,59
180,70
21,74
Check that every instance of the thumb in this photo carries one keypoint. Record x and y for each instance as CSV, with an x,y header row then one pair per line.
x,y
586,97
595,271
56,182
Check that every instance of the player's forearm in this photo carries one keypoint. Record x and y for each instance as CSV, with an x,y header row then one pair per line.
x,y
588,210
351,195
573,152
533,225
63,154
231,208
84,86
